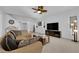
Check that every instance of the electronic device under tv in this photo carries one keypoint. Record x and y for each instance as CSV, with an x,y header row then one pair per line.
x,y
52,26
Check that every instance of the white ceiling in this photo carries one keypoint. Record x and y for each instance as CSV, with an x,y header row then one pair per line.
x,y
27,11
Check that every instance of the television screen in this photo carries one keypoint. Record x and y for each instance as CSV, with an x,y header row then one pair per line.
x,y
52,26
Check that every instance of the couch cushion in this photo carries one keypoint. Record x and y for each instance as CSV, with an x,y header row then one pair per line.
x,y
12,33
32,48
27,42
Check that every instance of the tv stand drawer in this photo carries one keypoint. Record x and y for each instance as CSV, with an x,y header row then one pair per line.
x,y
53,33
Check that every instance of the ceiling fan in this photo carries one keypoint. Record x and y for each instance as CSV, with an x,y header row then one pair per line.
x,y
39,10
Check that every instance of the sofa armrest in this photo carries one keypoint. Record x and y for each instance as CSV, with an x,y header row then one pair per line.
x,y
32,48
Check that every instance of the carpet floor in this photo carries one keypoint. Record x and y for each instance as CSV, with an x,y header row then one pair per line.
x,y
59,45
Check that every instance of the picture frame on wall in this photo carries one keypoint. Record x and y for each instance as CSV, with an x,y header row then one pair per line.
x,y
11,22
40,23
72,18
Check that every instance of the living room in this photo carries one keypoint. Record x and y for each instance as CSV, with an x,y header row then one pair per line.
x,y
26,19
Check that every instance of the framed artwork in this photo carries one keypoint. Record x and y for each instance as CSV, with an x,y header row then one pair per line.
x,y
11,21
72,19
73,23
40,23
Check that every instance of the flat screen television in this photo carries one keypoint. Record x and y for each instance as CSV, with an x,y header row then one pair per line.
x,y
52,26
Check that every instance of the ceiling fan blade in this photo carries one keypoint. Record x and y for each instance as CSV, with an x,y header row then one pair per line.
x,y
44,10
34,9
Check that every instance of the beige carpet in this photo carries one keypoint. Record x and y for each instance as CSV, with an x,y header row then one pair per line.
x,y
59,45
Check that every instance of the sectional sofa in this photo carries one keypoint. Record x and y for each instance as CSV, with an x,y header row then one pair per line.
x,y
35,47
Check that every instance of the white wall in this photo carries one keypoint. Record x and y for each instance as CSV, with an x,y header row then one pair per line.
x,y
62,18
6,22
17,23
64,22
63,25
1,17
28,25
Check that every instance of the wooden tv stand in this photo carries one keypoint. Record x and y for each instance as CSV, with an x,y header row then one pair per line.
x,y
54,33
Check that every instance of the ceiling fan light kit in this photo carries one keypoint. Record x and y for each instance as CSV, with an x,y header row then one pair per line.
x,y
39,10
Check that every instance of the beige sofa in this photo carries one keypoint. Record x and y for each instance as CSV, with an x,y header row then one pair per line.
x,y
35,47
32,48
